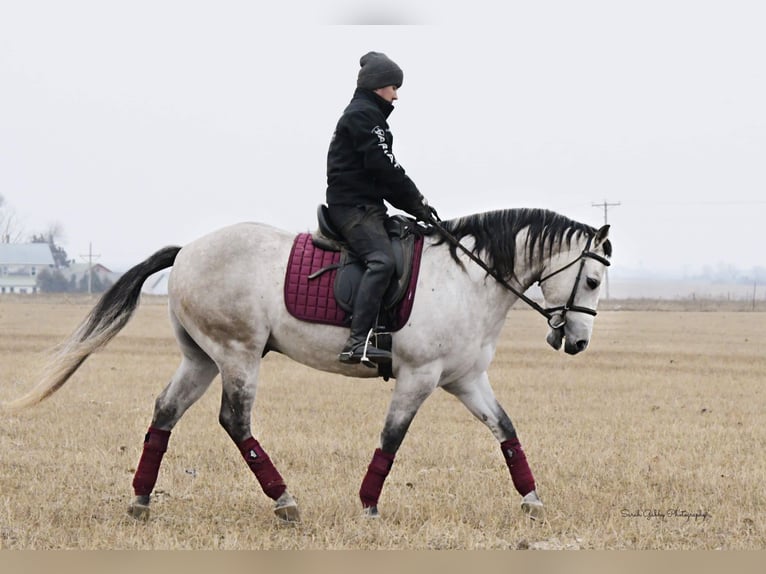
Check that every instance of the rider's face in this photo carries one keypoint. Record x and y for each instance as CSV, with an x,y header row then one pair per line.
x,y
388,93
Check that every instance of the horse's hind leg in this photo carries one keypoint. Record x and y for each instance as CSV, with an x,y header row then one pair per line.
x,y
238,397
189,383
477,395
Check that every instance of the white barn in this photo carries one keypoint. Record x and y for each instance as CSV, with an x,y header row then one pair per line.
x,y
19,265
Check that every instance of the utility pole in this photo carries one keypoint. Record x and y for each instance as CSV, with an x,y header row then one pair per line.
x,y
606,205
90,257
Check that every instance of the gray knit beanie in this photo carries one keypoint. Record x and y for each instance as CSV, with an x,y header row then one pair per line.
x,y
378,71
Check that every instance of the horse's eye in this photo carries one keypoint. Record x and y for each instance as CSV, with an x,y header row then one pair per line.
x,y
592,283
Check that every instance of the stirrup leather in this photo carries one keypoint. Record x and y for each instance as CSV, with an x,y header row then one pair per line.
x,y
365,360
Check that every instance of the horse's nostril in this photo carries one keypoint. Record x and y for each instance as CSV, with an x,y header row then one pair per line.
x,y
581,345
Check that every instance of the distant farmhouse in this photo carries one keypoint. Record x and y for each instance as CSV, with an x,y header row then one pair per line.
x,y
28,268
79,271
20,264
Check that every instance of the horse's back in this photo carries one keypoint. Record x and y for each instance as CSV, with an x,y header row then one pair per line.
x,y
222,280
222,257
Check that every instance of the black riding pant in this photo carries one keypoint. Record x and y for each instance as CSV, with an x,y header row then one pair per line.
x,y
363,229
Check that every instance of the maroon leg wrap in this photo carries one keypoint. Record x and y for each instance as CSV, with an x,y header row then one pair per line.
x,y
517,464
155,445
259,462
376,475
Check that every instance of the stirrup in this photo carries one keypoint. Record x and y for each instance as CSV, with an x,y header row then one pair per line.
x,y
348,357
365,360
370,357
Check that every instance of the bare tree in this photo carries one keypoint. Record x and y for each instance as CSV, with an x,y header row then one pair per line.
x,y
52,236
10,229
55,232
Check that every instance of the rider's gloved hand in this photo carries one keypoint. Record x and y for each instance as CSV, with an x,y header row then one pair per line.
x,y
425,212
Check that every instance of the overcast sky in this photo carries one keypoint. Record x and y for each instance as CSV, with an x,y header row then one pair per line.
x,y
139,124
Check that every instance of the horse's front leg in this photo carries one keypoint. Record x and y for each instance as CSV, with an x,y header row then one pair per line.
x,y
409,393
477,395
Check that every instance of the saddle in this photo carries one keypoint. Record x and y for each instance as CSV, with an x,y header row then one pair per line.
x,y
322,275
402,231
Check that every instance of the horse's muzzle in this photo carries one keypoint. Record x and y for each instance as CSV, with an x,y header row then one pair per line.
x,y
557,337
576,347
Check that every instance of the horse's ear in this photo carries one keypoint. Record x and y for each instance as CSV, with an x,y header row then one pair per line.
x,y
601,236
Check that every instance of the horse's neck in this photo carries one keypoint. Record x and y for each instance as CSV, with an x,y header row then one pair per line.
x,y
527,270
498,299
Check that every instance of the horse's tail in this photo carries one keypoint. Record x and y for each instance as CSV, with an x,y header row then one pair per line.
x,y
106,319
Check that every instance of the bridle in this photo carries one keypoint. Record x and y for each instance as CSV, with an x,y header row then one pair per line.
x,y
555,316
560,312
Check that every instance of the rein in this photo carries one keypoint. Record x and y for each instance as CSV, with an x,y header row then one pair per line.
x,y
550,313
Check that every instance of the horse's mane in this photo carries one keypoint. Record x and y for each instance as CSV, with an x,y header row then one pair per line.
x,y
495,232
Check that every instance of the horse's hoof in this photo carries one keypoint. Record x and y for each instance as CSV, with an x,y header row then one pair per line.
x,y
371,512
533,506
286,509
139,511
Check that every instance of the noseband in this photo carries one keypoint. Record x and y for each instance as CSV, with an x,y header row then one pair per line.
x,y
556,316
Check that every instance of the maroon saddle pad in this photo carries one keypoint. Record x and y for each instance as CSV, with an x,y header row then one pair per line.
x,y
313,300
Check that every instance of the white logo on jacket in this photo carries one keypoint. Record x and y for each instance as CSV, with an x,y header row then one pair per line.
x,y
381,135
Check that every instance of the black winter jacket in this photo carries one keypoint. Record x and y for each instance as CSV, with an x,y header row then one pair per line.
x,y
361,168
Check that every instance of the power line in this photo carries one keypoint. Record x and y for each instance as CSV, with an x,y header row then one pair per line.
x,y
606,205
90,257
697,202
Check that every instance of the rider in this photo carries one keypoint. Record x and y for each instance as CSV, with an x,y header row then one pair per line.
x,y
361,173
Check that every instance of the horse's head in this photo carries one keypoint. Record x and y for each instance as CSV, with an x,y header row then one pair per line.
x,y
571,284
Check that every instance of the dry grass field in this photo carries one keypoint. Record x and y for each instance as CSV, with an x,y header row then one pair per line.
x,y
652,439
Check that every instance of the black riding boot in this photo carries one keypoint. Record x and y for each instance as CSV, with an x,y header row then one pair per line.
x,y
353,352
363,318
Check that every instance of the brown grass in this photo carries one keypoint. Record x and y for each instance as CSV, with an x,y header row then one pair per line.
x,y
663,415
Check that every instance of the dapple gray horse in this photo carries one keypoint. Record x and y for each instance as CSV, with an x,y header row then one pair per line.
x,y
448,342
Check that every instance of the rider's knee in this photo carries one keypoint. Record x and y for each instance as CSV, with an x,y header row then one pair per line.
x,y
382,263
